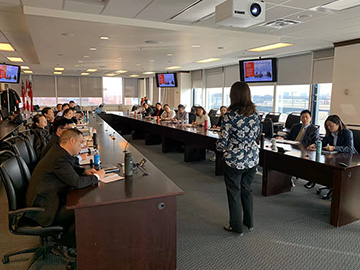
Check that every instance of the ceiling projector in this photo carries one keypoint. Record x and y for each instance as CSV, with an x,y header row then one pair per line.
x,y
240,13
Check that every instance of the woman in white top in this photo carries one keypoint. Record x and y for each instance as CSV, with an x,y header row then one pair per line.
x,y
167,114
201,117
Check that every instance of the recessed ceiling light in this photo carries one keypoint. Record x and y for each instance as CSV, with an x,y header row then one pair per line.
x,y
111,74
25,67
121,71
86,56
59,69
6,47
92,49
57,72
304,16
208,60
137,65
195,46
80,61
91,70
120,58
134,75
104,38
77,65
169,54
174,67
15,59
148,72
85,73
151,60
28,71
271,47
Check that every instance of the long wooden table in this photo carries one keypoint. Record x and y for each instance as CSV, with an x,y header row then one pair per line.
x,y
324,169
128,224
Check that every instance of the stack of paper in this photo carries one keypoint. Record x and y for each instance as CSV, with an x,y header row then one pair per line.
x,y
111,177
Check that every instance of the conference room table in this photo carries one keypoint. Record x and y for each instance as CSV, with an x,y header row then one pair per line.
x,y
339,171
194,139
127,224
7,128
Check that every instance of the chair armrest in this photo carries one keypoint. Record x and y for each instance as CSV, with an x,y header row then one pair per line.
x,y
26,210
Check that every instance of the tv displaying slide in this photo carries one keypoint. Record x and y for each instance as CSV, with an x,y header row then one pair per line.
x,y
166,79
258,70
9,73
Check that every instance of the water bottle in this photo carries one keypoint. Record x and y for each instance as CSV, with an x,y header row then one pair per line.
x,y
95,142
273,144
318,147
97,159
128,164
206,124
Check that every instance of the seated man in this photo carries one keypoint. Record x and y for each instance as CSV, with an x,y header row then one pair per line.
x,y
147,110
57,129
181,113
50,181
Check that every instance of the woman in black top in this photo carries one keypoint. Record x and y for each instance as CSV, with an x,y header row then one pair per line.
x,y
42,135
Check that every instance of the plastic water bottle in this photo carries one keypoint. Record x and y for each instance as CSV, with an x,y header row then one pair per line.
x,y
273,144
128,164
318,147
96,159
206,125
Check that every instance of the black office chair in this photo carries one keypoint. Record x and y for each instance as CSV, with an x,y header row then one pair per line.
x,y
356,136
261,115
274,116
15,176
192,117
292,119
212,112
214,120
267,128
22,147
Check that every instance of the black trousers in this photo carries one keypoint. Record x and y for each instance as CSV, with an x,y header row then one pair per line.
x,y
66,219
239,194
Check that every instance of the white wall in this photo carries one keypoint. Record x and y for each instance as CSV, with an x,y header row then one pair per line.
x,y
346,75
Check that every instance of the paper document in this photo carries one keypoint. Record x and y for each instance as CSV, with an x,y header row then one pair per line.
x,y
328,152
111,177
287,141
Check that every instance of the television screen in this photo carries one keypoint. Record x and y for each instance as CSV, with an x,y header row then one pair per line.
x,y
9,73
166,79
258,70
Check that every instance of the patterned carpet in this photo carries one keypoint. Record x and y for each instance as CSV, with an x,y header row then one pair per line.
x,y
292,230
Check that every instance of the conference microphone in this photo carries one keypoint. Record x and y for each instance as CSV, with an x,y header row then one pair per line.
x,y
131,136
128,159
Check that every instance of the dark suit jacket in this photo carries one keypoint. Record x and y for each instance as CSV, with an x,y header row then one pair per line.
x,y
311,134
344,143
42,138
49,183
54,139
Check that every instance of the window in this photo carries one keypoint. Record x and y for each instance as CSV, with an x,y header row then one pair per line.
x,y
214,98
68,99
45,101
198,96
227,96
323,104
292,98
113,90
263,97
91,101
131,100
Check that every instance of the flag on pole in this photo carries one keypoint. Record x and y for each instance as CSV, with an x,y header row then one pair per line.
x,y
23,94
31,96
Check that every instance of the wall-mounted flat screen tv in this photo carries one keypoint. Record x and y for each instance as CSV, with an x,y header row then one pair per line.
x,y
166,79
9,73
258,70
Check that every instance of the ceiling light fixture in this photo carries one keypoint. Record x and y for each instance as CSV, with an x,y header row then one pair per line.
x,y
28,71
271,47
15,59
91,70
86,56
208,60
151,60
104,38
195,46
59,69
148,73
57,72
121,71
80,61
134,75
111,74
6,47
25,67
173,67
92,49
85,73
169,54
119,58
341,4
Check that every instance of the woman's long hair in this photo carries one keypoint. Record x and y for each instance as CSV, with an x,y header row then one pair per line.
x,y
336,120
36,120
240,98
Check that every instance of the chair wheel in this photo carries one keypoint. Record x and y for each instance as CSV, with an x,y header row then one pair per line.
x,y
5,260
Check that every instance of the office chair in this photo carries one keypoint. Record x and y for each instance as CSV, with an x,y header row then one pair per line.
x,y
22,147
267,128
356,136
261,115
292,119
274,116
214,120
15,177
192,117
212,112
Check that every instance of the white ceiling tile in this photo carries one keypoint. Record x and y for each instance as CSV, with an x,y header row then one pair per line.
x,y
161,10
305,16
125,8
277,1
15,2
52,4
306,4
279,12
83,7
259,30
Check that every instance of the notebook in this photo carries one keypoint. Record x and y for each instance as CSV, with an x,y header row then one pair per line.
x,y
111,177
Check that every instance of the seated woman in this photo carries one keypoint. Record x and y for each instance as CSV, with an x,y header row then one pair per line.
x,y
147,110
168,114
42,135
181,113
337,138
158,110
223,110
201,117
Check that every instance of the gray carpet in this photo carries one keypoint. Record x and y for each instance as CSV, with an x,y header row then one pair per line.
x,y
292,230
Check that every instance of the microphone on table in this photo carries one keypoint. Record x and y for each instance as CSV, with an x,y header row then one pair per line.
x,y
128,158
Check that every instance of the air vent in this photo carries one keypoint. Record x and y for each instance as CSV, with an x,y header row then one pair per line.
x,y
280,23
96,2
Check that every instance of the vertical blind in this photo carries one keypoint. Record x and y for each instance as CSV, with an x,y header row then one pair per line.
x,y
91,86
68,86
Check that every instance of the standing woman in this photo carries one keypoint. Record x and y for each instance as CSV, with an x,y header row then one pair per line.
x,y
239,130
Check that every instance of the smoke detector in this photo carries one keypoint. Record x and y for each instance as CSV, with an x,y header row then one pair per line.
x,y
280,23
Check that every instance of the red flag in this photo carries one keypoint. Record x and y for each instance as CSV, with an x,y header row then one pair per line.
x,y
27,107
23,93
31,96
